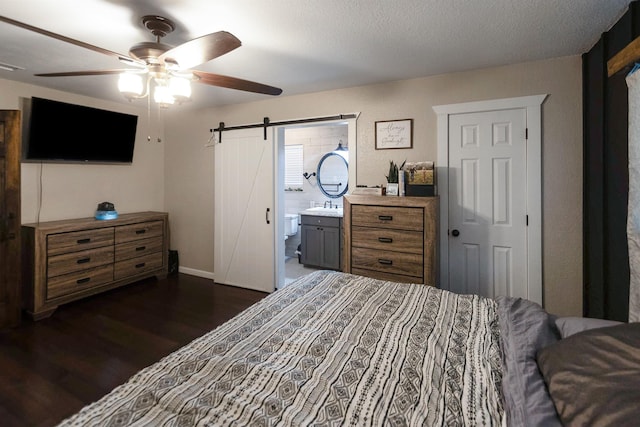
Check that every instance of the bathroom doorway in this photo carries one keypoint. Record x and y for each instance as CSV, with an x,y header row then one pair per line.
x,y
300,150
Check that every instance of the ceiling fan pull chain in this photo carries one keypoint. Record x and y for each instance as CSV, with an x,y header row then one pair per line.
x,y
213,134
148,112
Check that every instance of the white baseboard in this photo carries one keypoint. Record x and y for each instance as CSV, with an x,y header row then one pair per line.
x,y
198,273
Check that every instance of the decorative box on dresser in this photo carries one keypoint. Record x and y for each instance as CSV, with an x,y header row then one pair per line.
x,y
71,259
391,238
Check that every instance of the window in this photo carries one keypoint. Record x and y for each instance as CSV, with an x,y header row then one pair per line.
x,y
293,167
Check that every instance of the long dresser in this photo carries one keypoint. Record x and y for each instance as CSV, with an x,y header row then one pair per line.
x,y
391,238
71,259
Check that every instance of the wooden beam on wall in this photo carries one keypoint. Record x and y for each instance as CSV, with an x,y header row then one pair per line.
x,y
627,56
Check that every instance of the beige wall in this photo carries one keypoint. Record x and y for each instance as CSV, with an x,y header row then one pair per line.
x,y
189,164
74,190
183,184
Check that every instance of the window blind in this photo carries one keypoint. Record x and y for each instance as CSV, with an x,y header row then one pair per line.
x,y
293,166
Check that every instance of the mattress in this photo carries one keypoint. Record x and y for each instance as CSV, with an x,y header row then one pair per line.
x,y
330,349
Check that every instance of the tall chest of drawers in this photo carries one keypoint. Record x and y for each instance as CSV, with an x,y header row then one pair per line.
x,y
391,238
67,260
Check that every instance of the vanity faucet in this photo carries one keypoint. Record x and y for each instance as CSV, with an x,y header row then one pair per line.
x,y
328,201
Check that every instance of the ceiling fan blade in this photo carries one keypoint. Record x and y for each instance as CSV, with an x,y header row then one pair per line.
x,y
86,73
201,50
124,58
235,83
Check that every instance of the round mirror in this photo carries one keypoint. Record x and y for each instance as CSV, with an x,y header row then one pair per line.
x,y
333,175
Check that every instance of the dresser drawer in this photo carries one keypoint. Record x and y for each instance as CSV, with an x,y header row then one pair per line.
x,y
387,239
325,221
74,282
381,275
79,240
58,265
143,230
400,218
138,248
139,265
387,261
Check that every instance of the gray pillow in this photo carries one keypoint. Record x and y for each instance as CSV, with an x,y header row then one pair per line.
x,y
594,376
572,325
525,328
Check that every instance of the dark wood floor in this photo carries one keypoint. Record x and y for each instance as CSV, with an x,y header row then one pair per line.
x,y
50,369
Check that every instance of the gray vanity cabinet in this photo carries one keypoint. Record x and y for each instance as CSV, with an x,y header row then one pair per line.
x,y
321,241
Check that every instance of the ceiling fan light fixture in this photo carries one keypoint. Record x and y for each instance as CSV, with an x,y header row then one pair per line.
x,y
162,96
180,88
131,85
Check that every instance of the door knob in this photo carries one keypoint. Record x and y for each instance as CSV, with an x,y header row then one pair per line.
x,y
455,233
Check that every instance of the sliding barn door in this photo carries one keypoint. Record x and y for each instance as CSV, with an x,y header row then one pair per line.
x,y
244,204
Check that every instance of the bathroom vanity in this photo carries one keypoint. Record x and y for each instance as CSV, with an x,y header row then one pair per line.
x,y
321,238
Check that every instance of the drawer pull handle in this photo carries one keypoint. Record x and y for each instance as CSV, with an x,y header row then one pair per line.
x,y
141,231
385,240
385,217
83,260
385,261
141,248
140,265
83,241
81,281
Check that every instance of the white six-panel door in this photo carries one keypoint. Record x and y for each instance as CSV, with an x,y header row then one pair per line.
x,y
487,203
244,210
489,180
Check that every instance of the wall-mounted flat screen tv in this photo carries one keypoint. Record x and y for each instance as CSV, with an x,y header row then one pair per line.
x,y
58,132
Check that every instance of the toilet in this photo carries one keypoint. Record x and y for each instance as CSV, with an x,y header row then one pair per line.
x,y
290,225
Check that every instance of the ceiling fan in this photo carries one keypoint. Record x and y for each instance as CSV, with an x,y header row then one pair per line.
x,y
162,68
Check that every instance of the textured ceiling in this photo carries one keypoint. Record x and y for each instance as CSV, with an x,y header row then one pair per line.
x,y
303,46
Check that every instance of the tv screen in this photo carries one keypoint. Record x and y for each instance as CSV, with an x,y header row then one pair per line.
x,y
59,132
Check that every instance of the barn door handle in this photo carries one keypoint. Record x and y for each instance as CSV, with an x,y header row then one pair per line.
x,y
266,216
455,233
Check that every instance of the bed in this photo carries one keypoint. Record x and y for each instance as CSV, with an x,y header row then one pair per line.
x,y
340,349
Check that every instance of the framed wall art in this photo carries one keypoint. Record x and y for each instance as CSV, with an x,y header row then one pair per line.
x,y
394,134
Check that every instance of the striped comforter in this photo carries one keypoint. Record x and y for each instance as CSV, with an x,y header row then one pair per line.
x,y
331,349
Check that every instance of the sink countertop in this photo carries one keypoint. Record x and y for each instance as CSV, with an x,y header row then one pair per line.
x,y
320,211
